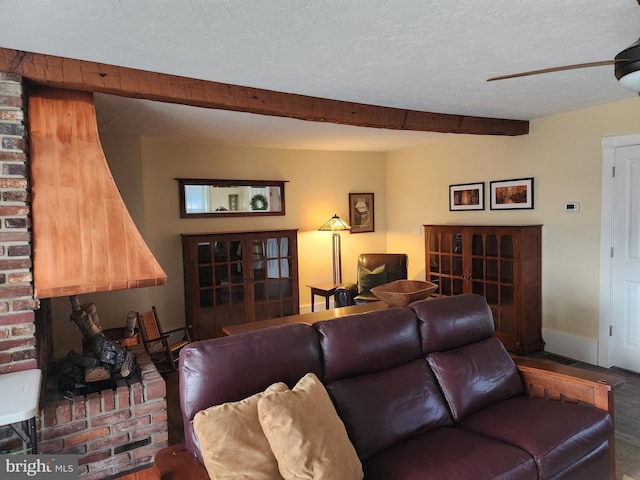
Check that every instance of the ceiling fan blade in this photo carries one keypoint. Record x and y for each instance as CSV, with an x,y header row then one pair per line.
x,y
558,69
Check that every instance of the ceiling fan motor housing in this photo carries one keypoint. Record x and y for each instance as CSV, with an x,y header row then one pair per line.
x,y
627,67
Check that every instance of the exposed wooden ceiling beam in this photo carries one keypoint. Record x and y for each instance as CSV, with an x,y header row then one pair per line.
x,y
73,74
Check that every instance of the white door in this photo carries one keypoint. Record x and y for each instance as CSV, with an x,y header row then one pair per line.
x,y
625,281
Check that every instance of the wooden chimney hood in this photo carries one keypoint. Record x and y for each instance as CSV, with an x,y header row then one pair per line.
x,y
84,239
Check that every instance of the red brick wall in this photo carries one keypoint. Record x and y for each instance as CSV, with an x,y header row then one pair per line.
x,y
111,431
17,329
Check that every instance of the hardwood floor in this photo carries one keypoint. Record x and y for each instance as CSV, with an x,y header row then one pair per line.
x,y
149,473
174,414
627,420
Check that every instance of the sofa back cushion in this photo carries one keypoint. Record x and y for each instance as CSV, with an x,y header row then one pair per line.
x,y
228,369
369,342
475,376
384,408
451,322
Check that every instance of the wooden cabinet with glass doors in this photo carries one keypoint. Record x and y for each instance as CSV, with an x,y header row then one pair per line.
x,y
233,278
501,263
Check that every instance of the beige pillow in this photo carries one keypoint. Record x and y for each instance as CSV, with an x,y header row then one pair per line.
x,y
306,435
232,442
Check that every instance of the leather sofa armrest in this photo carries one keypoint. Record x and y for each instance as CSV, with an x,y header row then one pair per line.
x,y
175,462
554,381
545,379
345,294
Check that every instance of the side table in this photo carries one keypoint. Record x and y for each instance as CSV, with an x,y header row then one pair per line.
x,y
325,290
19,403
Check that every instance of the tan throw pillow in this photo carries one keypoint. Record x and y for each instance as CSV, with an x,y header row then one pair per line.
x,y
232,442
306,435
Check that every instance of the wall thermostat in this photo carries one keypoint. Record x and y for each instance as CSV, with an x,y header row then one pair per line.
x,y
572,207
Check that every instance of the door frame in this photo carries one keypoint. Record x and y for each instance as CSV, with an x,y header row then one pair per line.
x,y
609,145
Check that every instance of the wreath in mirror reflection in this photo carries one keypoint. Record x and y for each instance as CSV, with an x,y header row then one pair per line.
x,y
258,202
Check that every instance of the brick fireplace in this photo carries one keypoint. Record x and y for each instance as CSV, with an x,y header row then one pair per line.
x,y
113,430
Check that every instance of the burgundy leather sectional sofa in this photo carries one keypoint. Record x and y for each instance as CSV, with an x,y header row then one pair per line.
x,y
424,392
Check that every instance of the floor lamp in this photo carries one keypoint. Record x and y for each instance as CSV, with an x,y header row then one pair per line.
x,y
335,225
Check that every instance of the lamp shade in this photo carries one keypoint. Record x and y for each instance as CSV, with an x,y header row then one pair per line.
x,y
627,67
631,81
334,224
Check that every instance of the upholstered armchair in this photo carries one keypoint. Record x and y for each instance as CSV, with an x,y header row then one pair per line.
x,y
373,269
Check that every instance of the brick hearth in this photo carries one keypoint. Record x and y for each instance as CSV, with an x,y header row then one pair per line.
x,y
112,431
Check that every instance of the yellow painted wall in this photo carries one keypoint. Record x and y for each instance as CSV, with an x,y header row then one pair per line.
x,y
318,186
563,153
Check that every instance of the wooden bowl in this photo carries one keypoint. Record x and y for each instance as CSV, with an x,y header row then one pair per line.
x,y
402,292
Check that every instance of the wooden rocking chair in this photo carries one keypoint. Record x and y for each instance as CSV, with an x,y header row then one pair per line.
x,y
156,342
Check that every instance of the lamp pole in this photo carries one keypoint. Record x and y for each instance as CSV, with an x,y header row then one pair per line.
x,y
334,225
337,258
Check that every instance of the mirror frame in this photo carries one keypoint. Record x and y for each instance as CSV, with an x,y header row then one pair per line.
x,y
182,182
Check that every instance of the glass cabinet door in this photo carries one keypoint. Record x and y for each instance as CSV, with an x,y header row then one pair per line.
x,y
221,281
506,320
272,265
446,266
462,261
492,276
220,272
502,263
239,277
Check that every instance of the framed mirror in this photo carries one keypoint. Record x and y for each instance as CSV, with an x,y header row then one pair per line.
x,y
221,198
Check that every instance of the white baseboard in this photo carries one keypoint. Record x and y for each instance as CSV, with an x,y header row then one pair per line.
x,y
571,346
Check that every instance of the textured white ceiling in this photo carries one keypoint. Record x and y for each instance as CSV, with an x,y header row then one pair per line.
x,y
419,54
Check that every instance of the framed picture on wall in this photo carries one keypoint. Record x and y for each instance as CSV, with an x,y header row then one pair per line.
x,y
361,213
512,194
466,196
